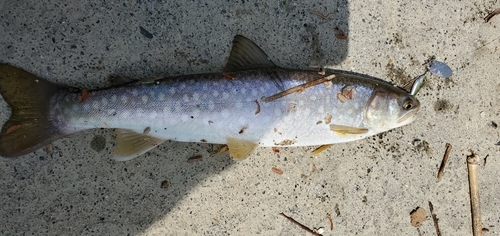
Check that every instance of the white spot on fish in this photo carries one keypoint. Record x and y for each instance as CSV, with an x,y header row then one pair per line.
x,y
185,98
125,114
266,87
86,106
239,105
172,90
135,92
124,99
104,101
321,109
113,98
151,94
215,93
196,96
184,118
307,111
242,120
153,115
95,104
243,91
166,110
225,95
211,106
254,92
161,97
145,99
277,112
196,112
225,113
111,112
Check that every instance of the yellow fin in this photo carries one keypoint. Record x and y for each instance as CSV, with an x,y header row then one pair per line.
x,y
346,130
320,149
130,144
240,149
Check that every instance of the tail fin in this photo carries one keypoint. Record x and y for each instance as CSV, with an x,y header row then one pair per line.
x,y
29,127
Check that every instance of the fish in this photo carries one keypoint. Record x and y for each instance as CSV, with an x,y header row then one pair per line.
x,y
252,102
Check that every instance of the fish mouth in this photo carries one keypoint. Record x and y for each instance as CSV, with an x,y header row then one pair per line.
x,y
408,117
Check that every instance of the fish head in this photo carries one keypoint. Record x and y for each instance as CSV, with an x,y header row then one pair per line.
x,y
389,108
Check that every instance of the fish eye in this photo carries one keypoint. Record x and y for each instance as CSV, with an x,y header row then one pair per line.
x,y
408,104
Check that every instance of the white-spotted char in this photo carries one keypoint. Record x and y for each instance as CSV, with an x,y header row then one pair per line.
x,y
253,103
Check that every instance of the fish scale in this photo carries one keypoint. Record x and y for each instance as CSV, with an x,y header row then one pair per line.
x,y
252,103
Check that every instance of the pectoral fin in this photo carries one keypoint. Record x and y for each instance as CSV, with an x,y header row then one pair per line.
x,y
342,130
130,144
240,149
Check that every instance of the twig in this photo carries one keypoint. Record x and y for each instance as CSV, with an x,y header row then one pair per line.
x,y
195,158
491,15
258,107
486,157
330,219
445,159
300,225
434,218
298,88
321,15
277,170
472,163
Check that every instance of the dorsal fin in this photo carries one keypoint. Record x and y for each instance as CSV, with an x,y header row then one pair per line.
x,y
245,55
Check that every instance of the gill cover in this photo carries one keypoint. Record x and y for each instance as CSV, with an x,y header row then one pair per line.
x,y
390,108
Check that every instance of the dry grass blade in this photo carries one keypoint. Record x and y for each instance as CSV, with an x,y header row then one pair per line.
x,y
472,163
331,15
298,88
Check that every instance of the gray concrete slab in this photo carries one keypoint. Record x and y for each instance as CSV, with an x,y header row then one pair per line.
x,y
369,187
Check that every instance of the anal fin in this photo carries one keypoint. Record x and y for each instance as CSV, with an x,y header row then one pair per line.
x,y
240,149
130,144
